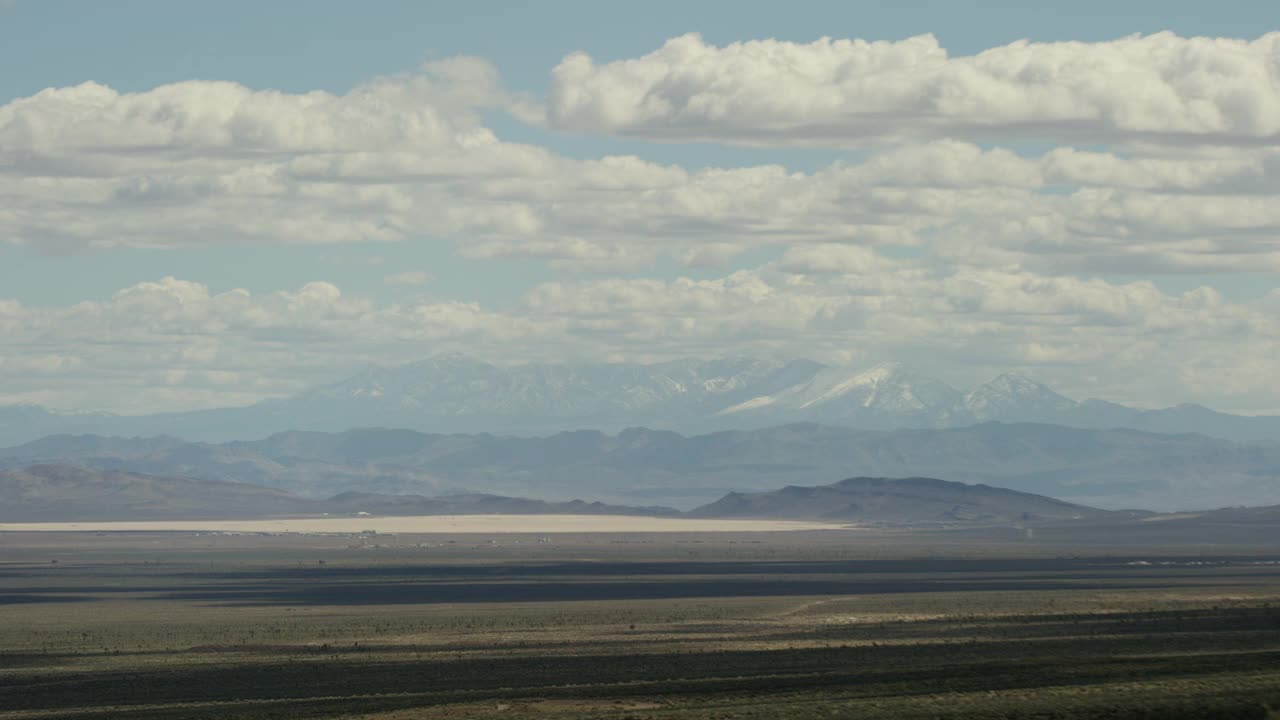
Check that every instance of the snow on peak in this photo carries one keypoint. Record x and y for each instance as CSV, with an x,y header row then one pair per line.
x,y
1016,382
1014,393
752,404
885,387
880,372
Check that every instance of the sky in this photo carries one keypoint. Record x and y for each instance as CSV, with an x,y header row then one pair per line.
x,y
209,204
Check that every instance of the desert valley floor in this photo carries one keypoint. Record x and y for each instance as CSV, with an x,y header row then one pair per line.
x,y
796,624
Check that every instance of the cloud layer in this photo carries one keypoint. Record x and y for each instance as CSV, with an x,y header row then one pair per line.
x,y
173,344
407,158
1157,88
946,244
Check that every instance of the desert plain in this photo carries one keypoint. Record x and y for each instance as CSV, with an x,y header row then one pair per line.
x,y
867,623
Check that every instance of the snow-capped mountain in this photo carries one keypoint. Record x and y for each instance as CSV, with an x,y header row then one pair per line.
x,y
1013,397
460,394
608,395
884,396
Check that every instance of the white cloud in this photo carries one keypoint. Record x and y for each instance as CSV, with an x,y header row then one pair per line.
x,y
973,257
1126,342
1155,88
422,110
173,344
833,259
406,158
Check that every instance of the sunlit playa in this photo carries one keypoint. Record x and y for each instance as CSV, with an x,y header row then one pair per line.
x,y
488,524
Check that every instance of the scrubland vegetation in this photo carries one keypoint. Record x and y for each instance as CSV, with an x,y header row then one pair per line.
x,y
662,626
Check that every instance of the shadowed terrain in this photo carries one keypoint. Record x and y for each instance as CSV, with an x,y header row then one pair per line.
x,y
802,625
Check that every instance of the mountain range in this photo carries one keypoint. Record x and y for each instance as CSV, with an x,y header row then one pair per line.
x,y
1112,469
965,512
63,493
456,394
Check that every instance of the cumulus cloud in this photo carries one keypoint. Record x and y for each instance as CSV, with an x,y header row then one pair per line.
x,y
423,110
176,344
834,259
1155,88
407,158
935,244
1128,342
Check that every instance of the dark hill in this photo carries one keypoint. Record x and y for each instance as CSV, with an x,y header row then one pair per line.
x,y
479,504
904,501
66,493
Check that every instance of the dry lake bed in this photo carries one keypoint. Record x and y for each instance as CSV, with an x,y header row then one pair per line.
x,y
433,524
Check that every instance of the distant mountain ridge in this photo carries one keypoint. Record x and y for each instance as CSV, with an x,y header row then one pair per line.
x,y
965,512
457,393
63,493
1104,468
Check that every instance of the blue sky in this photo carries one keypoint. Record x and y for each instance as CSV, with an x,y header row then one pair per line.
x,y
566,286
332,44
